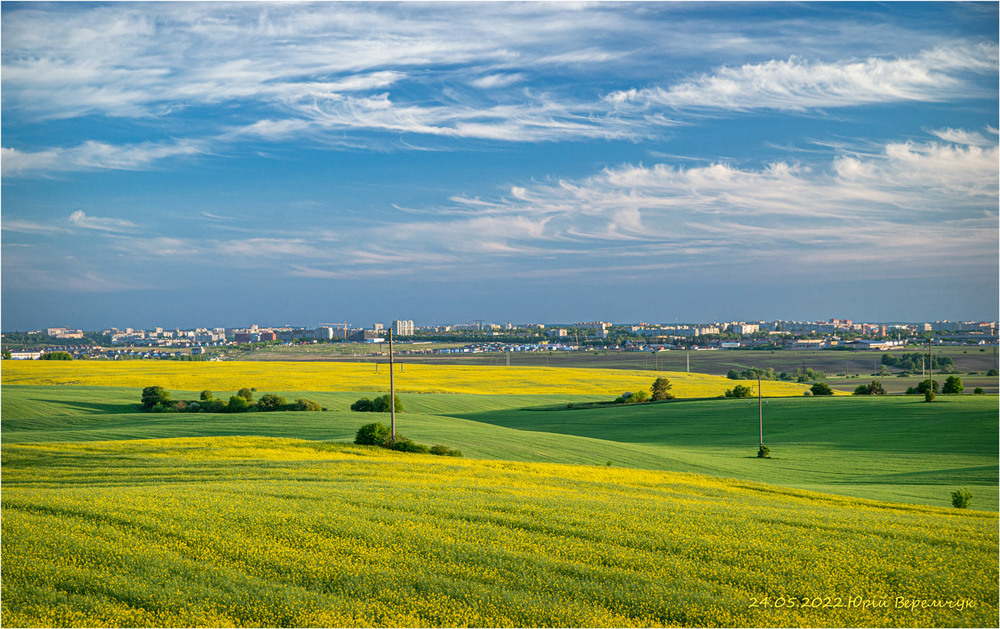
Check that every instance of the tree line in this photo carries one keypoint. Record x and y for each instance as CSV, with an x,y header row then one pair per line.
x,y
156,399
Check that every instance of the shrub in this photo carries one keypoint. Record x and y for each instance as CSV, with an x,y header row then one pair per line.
x,y
214,406
303,404
193,407
374,434
661,390
206,396
979,391
151,396
445,451
961,498
739,391
821,388
56,356
247,394
181,406
929,396
364,405
952,386
271,402
238,404
764,452
993,372
405,444
381,404
632,398
875,388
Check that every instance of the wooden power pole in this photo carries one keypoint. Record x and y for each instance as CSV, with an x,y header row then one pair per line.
x,y
760,412
392,392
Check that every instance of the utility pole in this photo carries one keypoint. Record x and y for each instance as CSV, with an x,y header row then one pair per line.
x,y
392,393
760,412
930,367
689,361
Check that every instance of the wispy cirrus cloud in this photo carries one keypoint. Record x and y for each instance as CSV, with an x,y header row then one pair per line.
x,y
117,225
349,75
95,156
799,84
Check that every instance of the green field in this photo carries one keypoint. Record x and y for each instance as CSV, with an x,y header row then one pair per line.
x,y
565,511
894,448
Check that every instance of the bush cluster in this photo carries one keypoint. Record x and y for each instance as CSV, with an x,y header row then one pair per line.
x,y
378,405
637,397
754,373
739,391
378,434
157,400
875,388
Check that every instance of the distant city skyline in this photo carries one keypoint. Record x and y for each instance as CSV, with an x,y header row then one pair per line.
x,y
197,164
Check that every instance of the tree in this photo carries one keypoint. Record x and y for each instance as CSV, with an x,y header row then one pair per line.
x,y
875,388
925,386
6,354
661,390
364,405
739,391
57,356
993,372
206,396
238,404
953,385
303,404
374,434
271,402
151,396
381,404
821,388
247,394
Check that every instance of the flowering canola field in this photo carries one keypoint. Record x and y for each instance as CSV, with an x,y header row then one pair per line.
x,y
411,378
251,531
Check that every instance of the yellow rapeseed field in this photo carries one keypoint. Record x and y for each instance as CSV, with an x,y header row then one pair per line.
x,y
276,532
304,376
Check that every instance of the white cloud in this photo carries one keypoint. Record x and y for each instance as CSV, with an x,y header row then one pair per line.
x,y
799,84
94,155
79,219
332,73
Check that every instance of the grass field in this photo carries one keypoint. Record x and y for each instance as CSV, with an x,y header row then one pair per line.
x,y
565,510
276,376
268,532
895,448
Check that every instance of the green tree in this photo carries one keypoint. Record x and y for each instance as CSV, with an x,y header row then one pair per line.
x,y
739,391
247,394
364,405
238,404
661,390
993,372
151,396
381,404
875,388
6,354
953,385
271,402
303,404
961,498
206,396
821,388
57,356
374,434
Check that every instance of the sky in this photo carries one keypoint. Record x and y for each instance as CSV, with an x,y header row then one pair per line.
x,y
224,164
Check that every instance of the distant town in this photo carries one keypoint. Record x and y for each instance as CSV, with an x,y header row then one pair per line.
x,y
206,343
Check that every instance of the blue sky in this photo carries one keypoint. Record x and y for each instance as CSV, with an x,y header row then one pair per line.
x,y
183,164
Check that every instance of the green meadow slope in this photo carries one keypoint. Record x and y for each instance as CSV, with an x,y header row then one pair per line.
x,y
253,531
890,448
